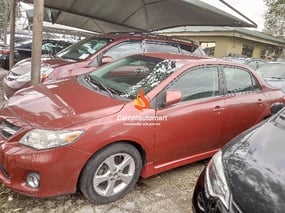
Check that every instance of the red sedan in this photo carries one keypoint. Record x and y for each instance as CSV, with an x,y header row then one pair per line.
x,y
137,116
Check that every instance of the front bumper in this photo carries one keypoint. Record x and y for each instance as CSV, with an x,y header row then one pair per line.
x,y
58,168
202,202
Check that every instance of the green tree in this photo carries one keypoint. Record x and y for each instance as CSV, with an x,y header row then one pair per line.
x,y
275,18
2,12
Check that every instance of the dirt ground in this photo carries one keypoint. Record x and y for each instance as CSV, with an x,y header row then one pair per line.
x,y
167,192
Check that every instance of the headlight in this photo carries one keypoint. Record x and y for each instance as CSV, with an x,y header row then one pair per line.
x,y
25,77
215,181
45,71
45,139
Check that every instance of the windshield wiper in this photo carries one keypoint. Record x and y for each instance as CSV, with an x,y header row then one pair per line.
x,y
101,85
88,80
274,77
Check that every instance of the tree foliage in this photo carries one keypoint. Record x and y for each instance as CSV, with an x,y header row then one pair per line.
x,y
2,17
275,18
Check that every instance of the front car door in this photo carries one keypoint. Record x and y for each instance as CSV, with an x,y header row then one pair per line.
x,y
193,125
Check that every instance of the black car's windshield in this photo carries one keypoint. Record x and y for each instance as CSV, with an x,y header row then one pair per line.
x,y
128,75
272,70
84,49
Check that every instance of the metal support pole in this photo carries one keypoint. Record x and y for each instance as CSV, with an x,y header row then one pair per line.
x,y
6,11
12,33
37,40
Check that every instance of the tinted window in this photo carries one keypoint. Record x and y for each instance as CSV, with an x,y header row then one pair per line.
x,y
124,49
161,47
196,50
198,83
239,80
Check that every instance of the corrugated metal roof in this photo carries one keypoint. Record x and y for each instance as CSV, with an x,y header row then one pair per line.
x,y
138,15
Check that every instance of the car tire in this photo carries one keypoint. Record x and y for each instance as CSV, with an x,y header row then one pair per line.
x,y
111,173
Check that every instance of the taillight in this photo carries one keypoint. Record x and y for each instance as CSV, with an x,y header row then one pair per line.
x,y
5,51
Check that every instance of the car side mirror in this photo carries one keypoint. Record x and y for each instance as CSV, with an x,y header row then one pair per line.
x,y
276,107
106,60
172,97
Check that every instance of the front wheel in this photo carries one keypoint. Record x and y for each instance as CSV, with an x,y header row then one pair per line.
x,y
111,173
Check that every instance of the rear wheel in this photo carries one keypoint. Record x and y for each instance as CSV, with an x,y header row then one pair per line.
x,y
111,173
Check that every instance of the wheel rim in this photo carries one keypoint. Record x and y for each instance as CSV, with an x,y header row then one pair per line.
x,y
114,174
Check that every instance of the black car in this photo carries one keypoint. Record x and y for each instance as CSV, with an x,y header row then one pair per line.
x,y
248,174
24,50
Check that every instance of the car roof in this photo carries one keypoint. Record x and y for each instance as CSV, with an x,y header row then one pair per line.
x,y
141,36
190,59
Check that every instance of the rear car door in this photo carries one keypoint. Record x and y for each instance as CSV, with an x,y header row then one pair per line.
x,y
244,101
193,125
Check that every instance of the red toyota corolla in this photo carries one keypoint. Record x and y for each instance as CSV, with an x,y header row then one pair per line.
x,y
138,116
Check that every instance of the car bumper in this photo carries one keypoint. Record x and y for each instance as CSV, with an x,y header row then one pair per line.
x,y
202,202
58,168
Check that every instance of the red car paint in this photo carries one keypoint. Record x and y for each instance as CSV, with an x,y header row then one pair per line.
x,y
63,66
187,131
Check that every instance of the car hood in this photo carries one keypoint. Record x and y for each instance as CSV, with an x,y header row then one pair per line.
x,y
255,168
24,66
61,104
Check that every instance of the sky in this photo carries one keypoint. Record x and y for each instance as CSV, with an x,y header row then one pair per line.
x,y
253,9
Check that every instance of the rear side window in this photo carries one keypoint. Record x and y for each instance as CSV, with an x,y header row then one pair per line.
x,y
161,47
194,49
239,80
124,49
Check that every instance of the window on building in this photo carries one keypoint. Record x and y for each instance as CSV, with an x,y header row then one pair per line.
x,y
247,50
208,47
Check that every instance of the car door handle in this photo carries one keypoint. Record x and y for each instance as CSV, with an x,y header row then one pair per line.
x,y
218,109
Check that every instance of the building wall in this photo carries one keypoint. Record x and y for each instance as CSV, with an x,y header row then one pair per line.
x,y
226,45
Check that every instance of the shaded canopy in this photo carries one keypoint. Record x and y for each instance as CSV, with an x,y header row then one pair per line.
x,y
106,16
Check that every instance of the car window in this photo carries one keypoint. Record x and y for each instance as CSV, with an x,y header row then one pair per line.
x,y
273,70
198,83
161,47
84,49
187,49
124,49
239,80
128,75
255,64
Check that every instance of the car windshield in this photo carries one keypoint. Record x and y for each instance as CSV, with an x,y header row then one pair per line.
x,y
274,70
84,49
125,77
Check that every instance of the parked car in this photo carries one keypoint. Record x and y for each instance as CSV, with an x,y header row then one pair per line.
x,y
253,63
247,175
24,50
100,131
92,52
274,74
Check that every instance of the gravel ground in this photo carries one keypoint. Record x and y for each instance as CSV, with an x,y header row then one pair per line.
x,y
167,192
